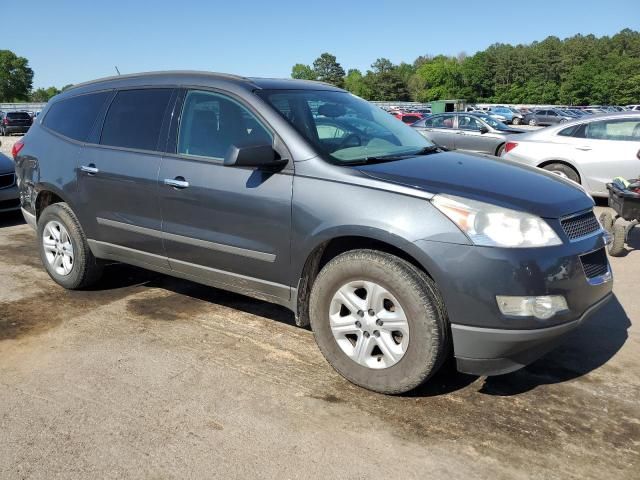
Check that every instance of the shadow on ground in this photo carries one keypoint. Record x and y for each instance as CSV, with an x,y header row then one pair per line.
x,y
11,219
586,349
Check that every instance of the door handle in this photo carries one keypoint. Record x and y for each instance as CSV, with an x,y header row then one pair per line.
x,y
178,182
90,169
584,149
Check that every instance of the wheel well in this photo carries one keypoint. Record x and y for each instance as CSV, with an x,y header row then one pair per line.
x,y
499,147
44,199
549,162
327,251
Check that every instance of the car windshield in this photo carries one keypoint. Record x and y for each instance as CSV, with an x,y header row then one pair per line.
x,y
344,128
498,125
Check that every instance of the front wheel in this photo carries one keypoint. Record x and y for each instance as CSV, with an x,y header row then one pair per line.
x,y
64,250
379,321
516,121
533,122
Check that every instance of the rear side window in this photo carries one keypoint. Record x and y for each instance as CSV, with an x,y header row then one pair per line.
x,y
135,118
626,130
75,116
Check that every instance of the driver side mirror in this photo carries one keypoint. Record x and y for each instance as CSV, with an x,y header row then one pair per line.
x,y
483,130
253,156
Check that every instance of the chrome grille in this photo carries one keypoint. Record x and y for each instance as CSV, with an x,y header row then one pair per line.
x,y
580,226
7,180
595,263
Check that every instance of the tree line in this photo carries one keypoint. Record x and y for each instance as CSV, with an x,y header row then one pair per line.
x,y
16,81
579,70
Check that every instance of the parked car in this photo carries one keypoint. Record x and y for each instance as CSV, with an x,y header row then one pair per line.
x,y
390,249
14,122
496,116
472,131
510,115
546,116
408,118
9,198
590,151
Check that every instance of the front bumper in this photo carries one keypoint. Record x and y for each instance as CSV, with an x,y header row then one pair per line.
x,y
489,351
485,341
9,199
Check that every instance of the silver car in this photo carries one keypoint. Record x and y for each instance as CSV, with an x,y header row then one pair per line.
x,y
475,132
590,151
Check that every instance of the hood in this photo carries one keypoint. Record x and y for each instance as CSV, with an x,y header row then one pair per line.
x,y
6,164
487,179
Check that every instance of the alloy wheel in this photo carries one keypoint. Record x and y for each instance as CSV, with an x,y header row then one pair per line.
x,y
369,324
58,248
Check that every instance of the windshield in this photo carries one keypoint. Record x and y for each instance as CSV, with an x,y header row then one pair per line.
x,y
498,125
344,128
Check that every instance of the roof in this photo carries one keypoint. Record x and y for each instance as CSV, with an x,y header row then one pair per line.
x,y
190,77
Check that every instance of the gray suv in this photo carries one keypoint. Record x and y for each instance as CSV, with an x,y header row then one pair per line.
x,y
298,193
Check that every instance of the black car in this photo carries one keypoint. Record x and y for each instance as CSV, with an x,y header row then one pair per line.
x,y
14,122
396,253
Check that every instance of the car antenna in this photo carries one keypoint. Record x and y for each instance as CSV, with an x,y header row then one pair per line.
x,y
116,67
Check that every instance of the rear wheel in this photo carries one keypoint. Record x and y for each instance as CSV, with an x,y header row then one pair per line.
x,y
379,321
563,170
500,150
64,250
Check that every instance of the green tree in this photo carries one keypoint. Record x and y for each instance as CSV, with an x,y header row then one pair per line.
x,y
43,95
327,69
385,82
303,72
16,78
355,83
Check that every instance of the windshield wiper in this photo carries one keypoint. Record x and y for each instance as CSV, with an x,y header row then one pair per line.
x,y
391,158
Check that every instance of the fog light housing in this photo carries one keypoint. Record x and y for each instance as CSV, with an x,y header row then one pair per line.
x,y
542,307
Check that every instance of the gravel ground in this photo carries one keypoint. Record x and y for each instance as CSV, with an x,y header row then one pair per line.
x,y
147,376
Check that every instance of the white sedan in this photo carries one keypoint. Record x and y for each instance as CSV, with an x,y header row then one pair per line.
x,y
590,151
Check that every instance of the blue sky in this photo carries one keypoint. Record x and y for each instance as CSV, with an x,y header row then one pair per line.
x,y
69,41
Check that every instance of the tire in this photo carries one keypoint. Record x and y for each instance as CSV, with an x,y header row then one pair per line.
x,y
427,341
564,171
2,132
533,122
500,150
84,269
616,247
516,121
606,220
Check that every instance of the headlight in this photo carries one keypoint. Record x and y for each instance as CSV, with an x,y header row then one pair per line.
x,y
493,226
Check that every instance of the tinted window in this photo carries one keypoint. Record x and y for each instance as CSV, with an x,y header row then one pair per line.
x,y
135,118
18,115
421,123
75,116
541,112
211,123
552,113
409,119
570,131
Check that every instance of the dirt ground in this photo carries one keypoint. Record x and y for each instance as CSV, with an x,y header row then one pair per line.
x,y
152,377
